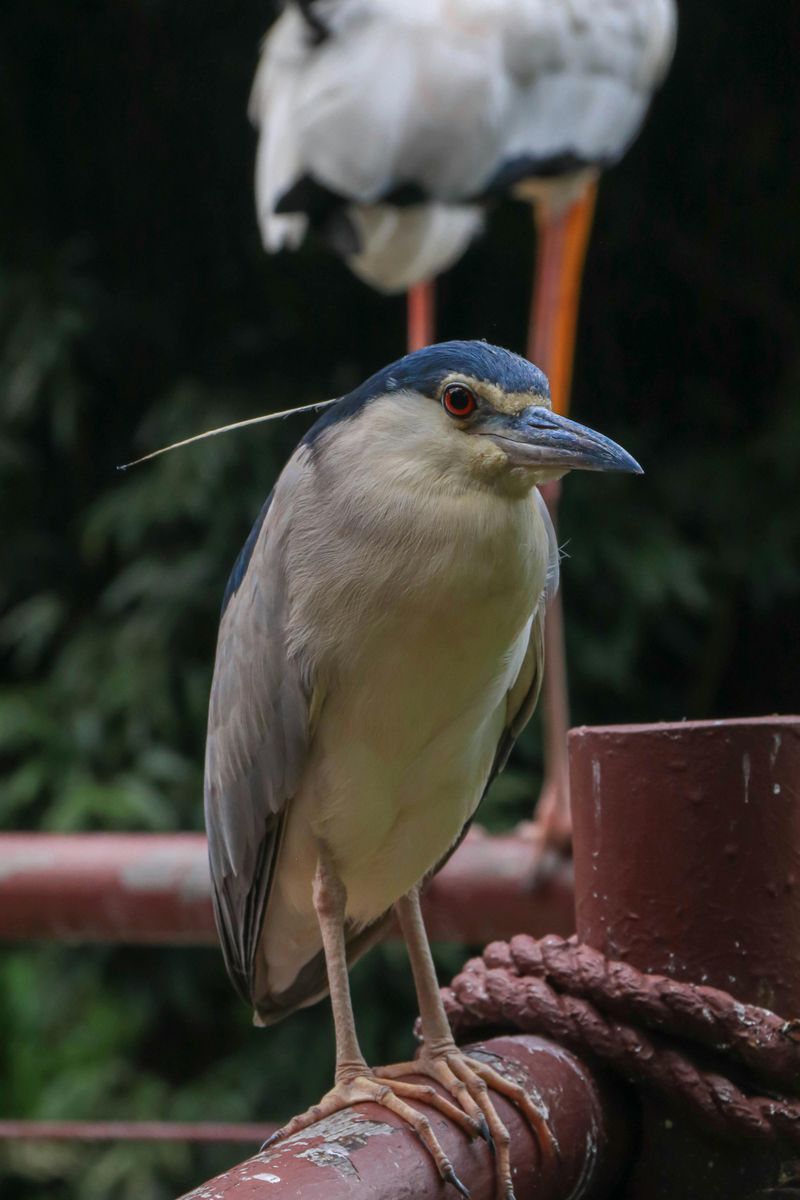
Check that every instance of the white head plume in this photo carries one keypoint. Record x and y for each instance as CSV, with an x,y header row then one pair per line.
x,y
199,437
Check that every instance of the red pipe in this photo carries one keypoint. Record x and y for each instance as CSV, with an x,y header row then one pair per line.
x,y
492,884
687,863
155,889
366,1151
140,888
136,1131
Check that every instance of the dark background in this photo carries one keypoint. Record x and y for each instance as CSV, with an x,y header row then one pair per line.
x,y
137,307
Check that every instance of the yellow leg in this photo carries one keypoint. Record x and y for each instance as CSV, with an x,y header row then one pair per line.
x,y
562,240
468,1080
354,1081
563,237
421,309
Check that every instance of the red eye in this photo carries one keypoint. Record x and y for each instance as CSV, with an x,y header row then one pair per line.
x,y
458,400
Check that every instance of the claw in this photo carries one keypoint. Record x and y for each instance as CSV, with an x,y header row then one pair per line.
x,y
483,1130
450,1176
478,1129
271,1140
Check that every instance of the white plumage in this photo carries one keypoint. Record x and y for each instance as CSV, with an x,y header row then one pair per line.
x,y
441,100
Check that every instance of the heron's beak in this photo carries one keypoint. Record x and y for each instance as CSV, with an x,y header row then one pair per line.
x,y
537,437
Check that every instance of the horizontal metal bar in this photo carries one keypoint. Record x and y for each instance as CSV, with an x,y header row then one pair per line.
x,y
135,1131
366,1151
150,889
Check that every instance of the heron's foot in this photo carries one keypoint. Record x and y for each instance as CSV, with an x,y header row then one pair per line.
x,y
393,1094
468,1081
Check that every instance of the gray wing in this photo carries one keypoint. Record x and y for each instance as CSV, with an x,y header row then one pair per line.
x,y
524,695
257,744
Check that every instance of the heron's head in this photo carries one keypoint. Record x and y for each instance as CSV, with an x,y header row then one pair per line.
x,y
465,414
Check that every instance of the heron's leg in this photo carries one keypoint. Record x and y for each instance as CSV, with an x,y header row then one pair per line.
x,y
421,315
562,239
330,900
467,1079
354,1081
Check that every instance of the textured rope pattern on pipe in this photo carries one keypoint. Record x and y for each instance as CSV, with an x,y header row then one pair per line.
x,y
588,1003
765,1043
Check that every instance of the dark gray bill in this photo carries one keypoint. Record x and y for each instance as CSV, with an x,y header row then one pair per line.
x,y
537,437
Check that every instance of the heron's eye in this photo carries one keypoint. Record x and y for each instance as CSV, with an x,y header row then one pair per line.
x,y
458,400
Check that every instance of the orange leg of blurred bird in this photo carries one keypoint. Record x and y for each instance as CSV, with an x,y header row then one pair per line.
x,y
421,309
354,1081
562,239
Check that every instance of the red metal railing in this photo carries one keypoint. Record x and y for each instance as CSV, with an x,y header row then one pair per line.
x,y
136,1131
150,889
155,889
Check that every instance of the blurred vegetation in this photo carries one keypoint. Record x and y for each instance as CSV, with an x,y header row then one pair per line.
x,y
137,307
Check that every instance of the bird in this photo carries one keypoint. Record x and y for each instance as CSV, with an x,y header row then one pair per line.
x,y
392,128
388,127
379,651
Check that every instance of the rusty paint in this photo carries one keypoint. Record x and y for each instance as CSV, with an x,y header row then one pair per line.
x,y
337,1137
687,850
155,889
369,1152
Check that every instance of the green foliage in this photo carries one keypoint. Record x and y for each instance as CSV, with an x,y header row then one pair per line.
x,y
136,307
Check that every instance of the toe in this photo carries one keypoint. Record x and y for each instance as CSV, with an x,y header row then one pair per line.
x,y
424,1130
500,1140
514,1092
423,1093
452,1178
465,1112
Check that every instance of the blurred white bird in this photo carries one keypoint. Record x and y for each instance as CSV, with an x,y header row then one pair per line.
x,y
389,126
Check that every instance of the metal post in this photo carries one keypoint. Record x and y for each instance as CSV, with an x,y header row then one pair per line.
x,y
365,1152
687,863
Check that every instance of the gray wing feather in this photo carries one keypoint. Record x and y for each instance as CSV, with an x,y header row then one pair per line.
x,y
257,744
524,695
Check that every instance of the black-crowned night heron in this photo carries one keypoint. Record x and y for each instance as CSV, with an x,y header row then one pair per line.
x,y
379,651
